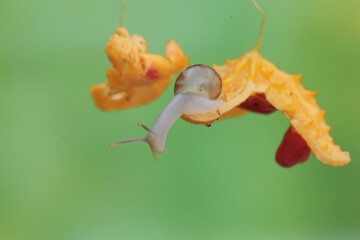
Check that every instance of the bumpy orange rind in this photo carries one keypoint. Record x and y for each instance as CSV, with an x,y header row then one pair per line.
x,y
136,77
252,74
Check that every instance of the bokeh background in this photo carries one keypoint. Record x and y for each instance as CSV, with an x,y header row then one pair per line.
x,y
60,180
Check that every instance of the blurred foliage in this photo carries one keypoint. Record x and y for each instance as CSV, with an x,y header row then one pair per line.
x,y
59,180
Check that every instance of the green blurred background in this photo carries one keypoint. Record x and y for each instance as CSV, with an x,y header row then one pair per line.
x,y
60,180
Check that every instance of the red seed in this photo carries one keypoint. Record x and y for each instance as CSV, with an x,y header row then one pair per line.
x,y
292,150
258,103
152,73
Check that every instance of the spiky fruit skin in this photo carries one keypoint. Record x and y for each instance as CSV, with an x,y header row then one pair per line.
x,y
251,74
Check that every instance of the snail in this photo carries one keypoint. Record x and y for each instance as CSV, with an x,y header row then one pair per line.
x,y
196,91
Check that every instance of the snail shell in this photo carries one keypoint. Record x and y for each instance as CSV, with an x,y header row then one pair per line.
x,y
199,79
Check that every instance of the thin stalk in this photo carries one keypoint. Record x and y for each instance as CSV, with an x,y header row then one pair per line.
x,y
258,44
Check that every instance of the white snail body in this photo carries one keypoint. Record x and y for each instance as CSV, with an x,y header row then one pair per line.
x,y
196,90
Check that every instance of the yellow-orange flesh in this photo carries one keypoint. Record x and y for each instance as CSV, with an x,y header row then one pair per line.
x,y
252,74
136,77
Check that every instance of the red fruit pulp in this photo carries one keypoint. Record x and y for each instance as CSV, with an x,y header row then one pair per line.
x,y
152,73
258,103
292,150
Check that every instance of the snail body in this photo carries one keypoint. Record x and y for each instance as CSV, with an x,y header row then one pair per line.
x,y
196,90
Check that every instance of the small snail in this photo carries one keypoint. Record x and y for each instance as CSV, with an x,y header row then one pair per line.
x,y
196,90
